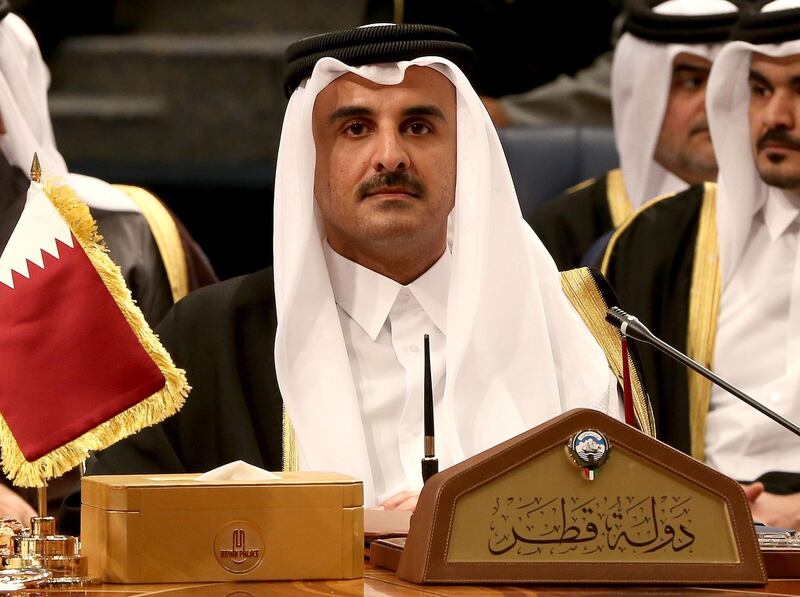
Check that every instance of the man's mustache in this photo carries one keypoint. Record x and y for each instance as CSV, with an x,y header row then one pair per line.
x,y
700,127
779,136
407,182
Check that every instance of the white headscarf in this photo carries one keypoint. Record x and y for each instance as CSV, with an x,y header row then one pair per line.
x,y
741,192
24,80
517,353
640,82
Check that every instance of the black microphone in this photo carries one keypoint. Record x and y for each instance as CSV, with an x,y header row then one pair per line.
x,y
430,464
631,327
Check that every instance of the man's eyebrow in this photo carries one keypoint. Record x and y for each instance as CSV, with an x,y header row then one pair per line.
x,y
349,112
424,110
759,78
683,67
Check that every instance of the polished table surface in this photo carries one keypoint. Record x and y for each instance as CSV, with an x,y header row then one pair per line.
x,y
383,583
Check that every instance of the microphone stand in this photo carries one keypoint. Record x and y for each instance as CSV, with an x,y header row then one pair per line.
x,y
631,327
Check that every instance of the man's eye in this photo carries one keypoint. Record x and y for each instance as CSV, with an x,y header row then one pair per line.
x,y
691,83
418,128
758,90
355,129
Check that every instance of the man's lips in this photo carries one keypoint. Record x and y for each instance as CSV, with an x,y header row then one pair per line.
x,y
773,145
391,191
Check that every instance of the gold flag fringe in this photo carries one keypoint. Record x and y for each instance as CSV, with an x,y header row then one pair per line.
x,y
149,412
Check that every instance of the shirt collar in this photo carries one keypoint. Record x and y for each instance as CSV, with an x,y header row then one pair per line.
x,y
779,212
431,290
368,296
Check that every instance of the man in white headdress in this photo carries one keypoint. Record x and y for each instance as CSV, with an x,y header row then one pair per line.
x,y
159,267
385,146
658,86
717,273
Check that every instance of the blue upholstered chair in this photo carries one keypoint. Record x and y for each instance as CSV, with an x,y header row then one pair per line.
x,y
544,161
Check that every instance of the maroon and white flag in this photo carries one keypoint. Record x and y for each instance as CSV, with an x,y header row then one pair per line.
x,y
79,367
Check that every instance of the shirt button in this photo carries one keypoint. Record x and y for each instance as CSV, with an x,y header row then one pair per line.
x,y
413,348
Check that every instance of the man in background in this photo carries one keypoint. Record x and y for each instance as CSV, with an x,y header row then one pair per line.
x,y
395,217
159,260
659,74
715,271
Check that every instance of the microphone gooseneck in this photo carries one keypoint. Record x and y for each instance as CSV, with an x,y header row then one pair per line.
x,y
631,327
430,464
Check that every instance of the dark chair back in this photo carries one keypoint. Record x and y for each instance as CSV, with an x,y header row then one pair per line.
x,y
545,161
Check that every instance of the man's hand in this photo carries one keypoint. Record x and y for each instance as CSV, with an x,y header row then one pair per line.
x,y
772,509
404,501
11,504
752,491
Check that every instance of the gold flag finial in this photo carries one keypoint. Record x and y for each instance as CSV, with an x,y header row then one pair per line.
x,y
36,169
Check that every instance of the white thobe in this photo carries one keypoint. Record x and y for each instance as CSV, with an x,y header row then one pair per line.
x,y
752,350
384,323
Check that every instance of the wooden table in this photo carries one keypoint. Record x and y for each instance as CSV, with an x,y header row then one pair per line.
x,y
383,583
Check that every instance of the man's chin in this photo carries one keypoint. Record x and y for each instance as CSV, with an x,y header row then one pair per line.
x,y
392,227
784,176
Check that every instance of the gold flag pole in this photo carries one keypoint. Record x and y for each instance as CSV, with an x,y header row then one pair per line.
x,y
41,497
40,557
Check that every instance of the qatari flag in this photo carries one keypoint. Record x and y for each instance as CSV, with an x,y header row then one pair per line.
x,y
79,367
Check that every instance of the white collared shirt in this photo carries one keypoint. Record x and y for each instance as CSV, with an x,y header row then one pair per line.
x,y
383,324
751,350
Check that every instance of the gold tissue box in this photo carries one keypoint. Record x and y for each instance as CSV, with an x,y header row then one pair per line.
x,y
173,528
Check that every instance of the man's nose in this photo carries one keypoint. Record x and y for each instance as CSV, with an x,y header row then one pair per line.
x,y
390,152
780,112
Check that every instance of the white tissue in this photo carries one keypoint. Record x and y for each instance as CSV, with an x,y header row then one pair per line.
x,y
237,471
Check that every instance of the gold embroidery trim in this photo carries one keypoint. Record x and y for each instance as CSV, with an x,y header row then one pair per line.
x,y
581,289
167,238
704,298
580,186
289,444
619,206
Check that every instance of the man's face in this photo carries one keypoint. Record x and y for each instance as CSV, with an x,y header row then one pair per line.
x,y
684,144
386,160
775,119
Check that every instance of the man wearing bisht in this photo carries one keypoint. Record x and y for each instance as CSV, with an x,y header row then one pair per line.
x,y
715,272
395,217
658,90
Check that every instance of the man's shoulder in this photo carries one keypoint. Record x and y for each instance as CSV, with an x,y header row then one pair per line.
x,y
661,233
663,216
587,187
233,296
587,193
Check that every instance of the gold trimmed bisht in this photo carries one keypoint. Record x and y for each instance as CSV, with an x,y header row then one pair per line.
x,y
168,239
581,289
619,205
704,298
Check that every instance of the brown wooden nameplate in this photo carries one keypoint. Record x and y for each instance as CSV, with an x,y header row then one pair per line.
x,y
524,511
